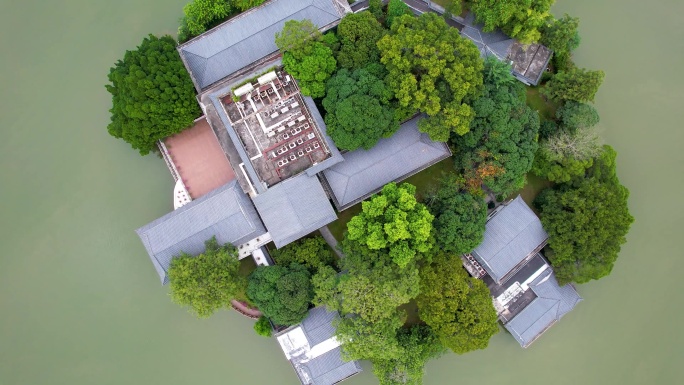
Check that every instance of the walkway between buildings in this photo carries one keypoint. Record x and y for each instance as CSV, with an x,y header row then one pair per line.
x,y
330,239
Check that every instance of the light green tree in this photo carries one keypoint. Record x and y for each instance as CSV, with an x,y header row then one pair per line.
x,y
576,84
520,19
310,252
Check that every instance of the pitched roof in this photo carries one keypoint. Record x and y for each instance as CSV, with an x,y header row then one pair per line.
x,y
335,156
314,351
551,304
510,236
226,213
364,172
294,208
249,37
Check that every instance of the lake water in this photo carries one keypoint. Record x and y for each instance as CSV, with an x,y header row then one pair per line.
x,y
81,304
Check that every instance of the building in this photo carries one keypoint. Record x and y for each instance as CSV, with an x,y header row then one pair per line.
x,y
314,352
525,292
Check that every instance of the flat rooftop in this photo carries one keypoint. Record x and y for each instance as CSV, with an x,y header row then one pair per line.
x,y
199,159
276,127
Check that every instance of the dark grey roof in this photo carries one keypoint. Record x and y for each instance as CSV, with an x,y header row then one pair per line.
x,y
294,208
226,213
249,37
318,325
552,303
335,157
510,236
329,368
364,172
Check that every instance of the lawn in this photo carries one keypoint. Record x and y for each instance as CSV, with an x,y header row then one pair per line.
x,y
547,109
533,187
424,181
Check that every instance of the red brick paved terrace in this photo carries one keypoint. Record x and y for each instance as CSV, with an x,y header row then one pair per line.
x,y
199,159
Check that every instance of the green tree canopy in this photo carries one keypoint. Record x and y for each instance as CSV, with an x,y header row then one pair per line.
x,y
375,8
359,108
499,149
263,327
244,5
587,221
576,84
562,37
419,344
395,221
152,94
456,306
310,252
200,15
207,282
574,115
432,69
282,293
364,340
396,9
359,34
559,169
520,19
460,216
296,36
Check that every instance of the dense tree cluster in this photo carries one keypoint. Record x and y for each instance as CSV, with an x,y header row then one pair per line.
x,y
587,220
520,19
499,149
152,94
202,15
575,84
282,293
432,69
263,327
561,36
313,253
359,34
207,282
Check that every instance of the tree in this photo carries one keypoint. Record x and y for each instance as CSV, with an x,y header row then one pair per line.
x,y
520,19
207,282
432,69
574,115
313,253
359,34
396,9
244,5
200,14
363,340
152,94
395,221
499,149
375,8
419,344
282,293
263,327
559,169
359,108
562,37
460,217
582,144
576,84
296,36
456,306
587,221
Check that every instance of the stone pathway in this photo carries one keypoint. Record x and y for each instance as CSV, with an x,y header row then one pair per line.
x,y
330,239
245,310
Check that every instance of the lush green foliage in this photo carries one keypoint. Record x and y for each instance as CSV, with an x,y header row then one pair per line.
x,y
152,94
396,9
520,19
262,327
200,14
460,217
310,252
359,108
395,221
587,221
499,149
559,169
456,306
281,293
244,5
359,34
364,340
562,37
418,344
296,36
574,115
576,84
208,281
432,69
375,8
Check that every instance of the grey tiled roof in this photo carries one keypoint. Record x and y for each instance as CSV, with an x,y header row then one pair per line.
x,y
318,325
329,368
336,157
364,172
226,213
510,236
249,37
294,208
552,303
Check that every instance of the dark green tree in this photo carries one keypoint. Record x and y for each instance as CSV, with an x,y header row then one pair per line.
x,y
576,84
199,15
460,216
419,344
587,221
207,282
359,108
562,37
281,293
296,36
263,327
396,9
359,34
375,8
364,340
395,221
499,149
574,115
520,19
432,69
152,94
456,306
310,252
